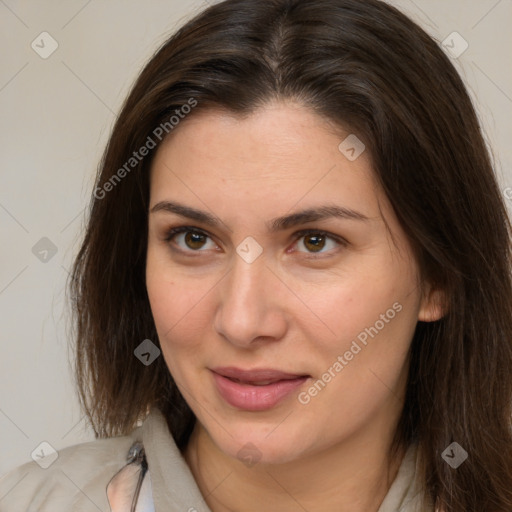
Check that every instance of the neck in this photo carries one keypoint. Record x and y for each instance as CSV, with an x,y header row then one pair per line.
x,y
353,476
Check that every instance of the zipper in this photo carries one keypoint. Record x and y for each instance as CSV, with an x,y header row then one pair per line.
x,y
137,455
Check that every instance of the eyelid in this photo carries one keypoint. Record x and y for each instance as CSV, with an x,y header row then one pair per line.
x,y
297,235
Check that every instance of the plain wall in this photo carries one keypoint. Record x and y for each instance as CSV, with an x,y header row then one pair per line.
x,y
56,115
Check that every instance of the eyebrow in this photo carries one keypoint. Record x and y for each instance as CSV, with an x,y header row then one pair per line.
x,y
274,225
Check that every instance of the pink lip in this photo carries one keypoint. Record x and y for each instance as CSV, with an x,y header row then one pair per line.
x,y
248,396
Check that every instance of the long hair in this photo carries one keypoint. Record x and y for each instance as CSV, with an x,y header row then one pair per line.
x,y
364,65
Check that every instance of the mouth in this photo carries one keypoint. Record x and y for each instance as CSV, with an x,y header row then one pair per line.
x,y
256,375
255,383
255,390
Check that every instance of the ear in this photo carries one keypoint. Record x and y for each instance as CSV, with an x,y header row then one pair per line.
x,y
433,305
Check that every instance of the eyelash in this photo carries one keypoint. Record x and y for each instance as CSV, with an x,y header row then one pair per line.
x,y
171,233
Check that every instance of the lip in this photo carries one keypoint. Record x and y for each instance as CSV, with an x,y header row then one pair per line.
x,y
246,395
255,375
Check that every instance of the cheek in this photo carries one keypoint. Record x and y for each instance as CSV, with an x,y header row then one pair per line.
x,y
347,306
178,318
360,370
178,313
179,306
369,321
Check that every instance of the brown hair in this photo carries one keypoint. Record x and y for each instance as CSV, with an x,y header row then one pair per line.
x,y
362,64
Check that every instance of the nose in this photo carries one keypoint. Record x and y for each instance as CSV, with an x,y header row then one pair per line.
x,y
250,308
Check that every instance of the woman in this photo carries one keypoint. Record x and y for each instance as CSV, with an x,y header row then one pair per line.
x,y
294,289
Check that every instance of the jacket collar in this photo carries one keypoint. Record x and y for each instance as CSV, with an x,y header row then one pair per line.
x,y
174,487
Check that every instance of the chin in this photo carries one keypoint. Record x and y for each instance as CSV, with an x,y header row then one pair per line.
x,y
264,445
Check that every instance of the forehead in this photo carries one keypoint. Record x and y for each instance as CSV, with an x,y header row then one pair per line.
x,y
281,145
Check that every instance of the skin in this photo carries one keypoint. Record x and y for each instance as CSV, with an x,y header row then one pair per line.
x,y
293,309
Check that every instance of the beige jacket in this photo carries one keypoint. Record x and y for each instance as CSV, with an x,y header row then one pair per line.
x,y
105,475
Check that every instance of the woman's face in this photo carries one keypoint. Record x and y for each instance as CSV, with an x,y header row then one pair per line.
x,y
314,325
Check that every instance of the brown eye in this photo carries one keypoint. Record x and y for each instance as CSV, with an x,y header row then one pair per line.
x,y
194,240
314,242
189,240
317,241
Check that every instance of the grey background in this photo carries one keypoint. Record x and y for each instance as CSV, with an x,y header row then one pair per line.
x,y
56,116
